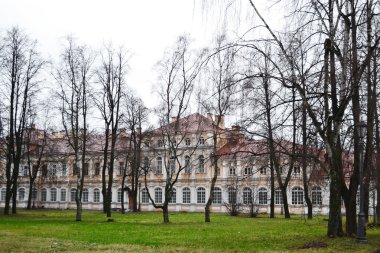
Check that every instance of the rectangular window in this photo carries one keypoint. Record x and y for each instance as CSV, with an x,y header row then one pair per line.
x,y
25,171
63,195
64,169
97,169
43,195
53,170
278,198
85,172
121,168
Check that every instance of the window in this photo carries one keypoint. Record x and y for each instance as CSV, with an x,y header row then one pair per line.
x,y
187,141
158,195
186,194
316,195
232,171
64,169
146,144
63,195
3,193
53,194
53,170
247,195
44,170
121,168
144,196
278,197
96,196
201,195
159,166
43,194
25,171
201,141
296,170
159,143
217,197
119,193
201,164
247,171
97,169
297,196
232,195
146,163
174,197
75,169
187,165
263,196
263,170
73,194
85,172
85,195
21,194
172,162
34,194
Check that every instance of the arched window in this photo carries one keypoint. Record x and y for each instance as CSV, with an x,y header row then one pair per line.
x,y
43,194
85,195
21,194
159,165
174,196
247,195
172,162
263,196
232,195
3,193
278,197
201,195
217,198
201,164
63,195
232,171
187,165
144,196
73,194
187,141
158,195
297,196
316,195
186,195
119,195
53,194
96,195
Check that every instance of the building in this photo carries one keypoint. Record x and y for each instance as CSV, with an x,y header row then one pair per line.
x,y
243,175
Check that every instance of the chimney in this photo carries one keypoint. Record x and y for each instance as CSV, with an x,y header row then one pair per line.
x,y
209,116
235,130
221,121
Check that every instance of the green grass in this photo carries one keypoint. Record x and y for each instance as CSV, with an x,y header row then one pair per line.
x,y
56,231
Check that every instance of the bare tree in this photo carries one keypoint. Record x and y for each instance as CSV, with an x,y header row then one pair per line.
x,y
20,68
111,76
219,100
136,114
178,73
73,76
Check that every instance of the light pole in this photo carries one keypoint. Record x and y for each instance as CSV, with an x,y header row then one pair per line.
x,y
361,229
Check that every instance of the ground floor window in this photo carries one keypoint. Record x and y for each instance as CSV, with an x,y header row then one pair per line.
x,y
278,197
63,195
85,195
158,195
247,195
53,194
174,197
217,198
73,194
43,194
297,196
201,195
3,193
96,196
316,195
263,196
186,195
144,196
119,195
21,194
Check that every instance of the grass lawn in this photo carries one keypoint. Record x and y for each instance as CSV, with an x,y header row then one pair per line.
x,y
56,231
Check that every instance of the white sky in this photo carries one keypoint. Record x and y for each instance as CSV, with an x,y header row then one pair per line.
x,y
146,28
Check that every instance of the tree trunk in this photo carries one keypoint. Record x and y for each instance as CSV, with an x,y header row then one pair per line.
x,y
165,213
29,206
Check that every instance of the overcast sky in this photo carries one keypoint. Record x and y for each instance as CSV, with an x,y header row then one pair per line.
x,y
146,28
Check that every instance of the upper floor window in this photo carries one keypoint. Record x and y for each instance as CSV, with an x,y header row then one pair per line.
x,y
25,171
247,171
201,141
159,144
263,170
159,166
146,164
97,169
172,162
296,170
187,165
121,168
146,144
64,169
187,141
201,164
85,172
232,171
